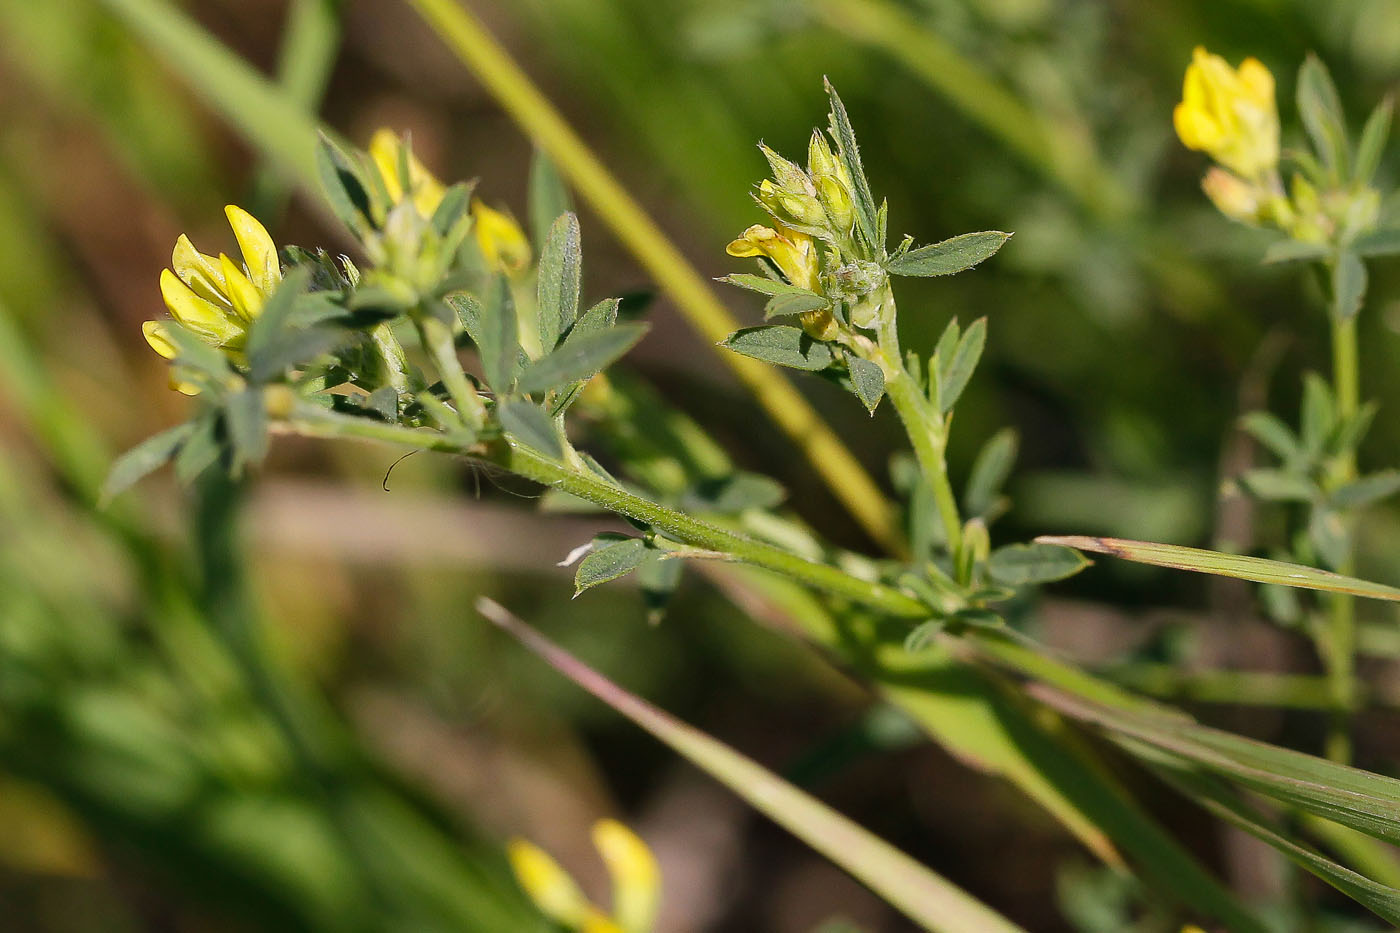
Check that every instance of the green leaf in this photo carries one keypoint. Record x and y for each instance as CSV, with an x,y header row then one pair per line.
x,y
608,562
547,200
762,284
1319,419
954,379
579,357
1348,435
492,327
868,380
1383,242
736,493
1366,490
946,346
1348,285
1280,485
794,303
780,344
989,472
1269,430
201,451
926,898
1328,536
1196,560
245,413
867,216
600,317
560,279
273,346
1323,118
529,425
950,256
145,458
1027,564
341,184
1373,139
1293,251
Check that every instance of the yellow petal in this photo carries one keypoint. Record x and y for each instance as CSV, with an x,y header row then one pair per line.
x,y
601,924
247,302
1195,128
500,238
201,317
635,875
1258,81
154,332
385,148
259,252
548,885
200,272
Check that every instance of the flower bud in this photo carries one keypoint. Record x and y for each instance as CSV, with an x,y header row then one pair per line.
x,y
820,159
840,210
1232,196
789,176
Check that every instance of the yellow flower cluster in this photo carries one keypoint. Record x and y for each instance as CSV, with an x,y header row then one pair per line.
x,y
795,255
215,299
1230,114
635,877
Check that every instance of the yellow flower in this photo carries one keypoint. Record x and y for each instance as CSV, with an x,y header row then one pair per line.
x,y
1233,196
426,192
216,298
501,240
1230,114
795,255
792,252
636,883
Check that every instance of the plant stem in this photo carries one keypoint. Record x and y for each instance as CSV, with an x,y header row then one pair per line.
x,y
693,296
1338,641
928,432
437,340
586,485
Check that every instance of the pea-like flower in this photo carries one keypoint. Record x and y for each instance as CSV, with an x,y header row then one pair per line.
x,y
500,239
636,883
388,152
1230,114
795,255
215,299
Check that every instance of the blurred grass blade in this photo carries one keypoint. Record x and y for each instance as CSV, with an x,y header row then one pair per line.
x,y
1197,560
1381,899
272,122
694,298
923,896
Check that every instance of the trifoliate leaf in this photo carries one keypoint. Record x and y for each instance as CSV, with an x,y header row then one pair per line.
x,y
868,380
1024,564
950,256
780,344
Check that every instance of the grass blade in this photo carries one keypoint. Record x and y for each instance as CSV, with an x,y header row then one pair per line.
x,y
1197,560
923,896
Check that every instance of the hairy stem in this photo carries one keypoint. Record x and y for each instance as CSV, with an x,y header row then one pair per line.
x,y
437,340
927,430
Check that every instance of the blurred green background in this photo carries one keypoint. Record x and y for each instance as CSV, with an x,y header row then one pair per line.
x,y
270,706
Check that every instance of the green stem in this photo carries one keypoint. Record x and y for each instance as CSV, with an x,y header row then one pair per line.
x,y
437,340
588,486
1337,643
928,432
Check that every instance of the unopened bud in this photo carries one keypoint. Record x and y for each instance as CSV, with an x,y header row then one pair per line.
x,y
820,159
837,201
1232,196
803,209
788,175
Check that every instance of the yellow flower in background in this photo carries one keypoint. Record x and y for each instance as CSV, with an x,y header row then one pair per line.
x,y
217,298
501,240
635,876
1230,114
386,149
